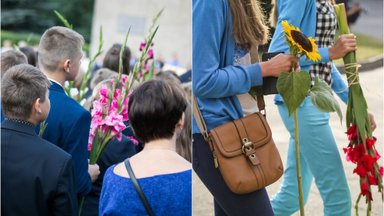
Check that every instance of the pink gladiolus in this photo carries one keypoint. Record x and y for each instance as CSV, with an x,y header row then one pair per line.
x,y
150,54
104,91
134,141
142,46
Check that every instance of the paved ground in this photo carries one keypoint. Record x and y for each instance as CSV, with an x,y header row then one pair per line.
x,y
372,84
370,23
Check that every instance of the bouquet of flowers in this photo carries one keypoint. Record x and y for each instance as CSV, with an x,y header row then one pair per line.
x,y
295,86
361,149
111,110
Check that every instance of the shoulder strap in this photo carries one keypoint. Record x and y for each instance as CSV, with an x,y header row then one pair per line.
x,y
199,119
138,188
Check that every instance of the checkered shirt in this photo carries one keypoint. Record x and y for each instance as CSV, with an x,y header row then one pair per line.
x,y
326,27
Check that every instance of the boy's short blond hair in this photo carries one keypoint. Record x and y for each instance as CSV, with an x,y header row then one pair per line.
x,y
11,58
58,44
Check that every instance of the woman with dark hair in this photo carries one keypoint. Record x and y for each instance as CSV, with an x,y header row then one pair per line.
x,y
111,59
31,55
156,113
224,34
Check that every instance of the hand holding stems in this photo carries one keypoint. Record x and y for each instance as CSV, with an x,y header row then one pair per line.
x,y
344,44
372,120
278,64
94,171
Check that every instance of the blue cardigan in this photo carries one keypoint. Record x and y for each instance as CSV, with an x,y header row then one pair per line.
x,y
216,82
302,14
68,128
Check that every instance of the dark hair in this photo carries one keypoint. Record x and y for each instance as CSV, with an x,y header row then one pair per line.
x,y
31,55
20,87
11,58
111,59
168,75
154,109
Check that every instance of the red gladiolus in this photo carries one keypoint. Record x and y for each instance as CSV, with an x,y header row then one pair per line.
x,y
352,133
370,142
372,180
365,191
360,170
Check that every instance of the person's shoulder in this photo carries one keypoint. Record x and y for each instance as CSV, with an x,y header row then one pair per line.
x,y
53,150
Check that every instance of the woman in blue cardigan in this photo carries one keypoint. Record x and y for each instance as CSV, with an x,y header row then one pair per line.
x,y
223,34
320,159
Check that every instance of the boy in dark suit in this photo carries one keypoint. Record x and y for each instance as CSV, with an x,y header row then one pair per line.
x,y
37,177
68,123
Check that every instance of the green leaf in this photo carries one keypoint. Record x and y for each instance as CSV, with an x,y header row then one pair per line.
x,y
322,98
63,20
293,87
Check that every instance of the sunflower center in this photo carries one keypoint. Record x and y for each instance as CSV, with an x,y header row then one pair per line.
x,y
301,39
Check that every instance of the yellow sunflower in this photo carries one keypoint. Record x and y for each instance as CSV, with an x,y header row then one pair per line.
x,y
298,41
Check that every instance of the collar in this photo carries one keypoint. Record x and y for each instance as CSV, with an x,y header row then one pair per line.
x,y
19,125
54,81
56,86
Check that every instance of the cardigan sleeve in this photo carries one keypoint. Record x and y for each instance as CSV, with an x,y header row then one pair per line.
x,y
338,85
209,27
293,11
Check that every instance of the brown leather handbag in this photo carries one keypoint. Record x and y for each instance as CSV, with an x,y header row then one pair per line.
x,y
244,151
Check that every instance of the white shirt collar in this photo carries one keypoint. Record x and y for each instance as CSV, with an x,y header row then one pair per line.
x,y
56,82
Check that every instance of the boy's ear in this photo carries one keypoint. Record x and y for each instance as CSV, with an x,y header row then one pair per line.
x,y
37,106
67,65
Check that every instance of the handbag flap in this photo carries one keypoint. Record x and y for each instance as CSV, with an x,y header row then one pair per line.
x,y
228,137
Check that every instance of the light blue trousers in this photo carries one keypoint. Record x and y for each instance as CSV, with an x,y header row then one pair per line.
x,y
319,159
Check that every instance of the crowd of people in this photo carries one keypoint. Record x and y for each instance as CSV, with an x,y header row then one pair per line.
x,y
51,175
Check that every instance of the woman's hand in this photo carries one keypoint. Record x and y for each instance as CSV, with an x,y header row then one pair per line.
x,y
278,64
372,120
343,45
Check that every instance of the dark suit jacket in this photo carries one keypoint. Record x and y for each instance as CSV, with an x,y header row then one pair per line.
x,y
68,128
37,177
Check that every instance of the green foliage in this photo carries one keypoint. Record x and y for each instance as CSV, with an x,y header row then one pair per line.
x,y
322,98
36,15
63,20
293,87
30,38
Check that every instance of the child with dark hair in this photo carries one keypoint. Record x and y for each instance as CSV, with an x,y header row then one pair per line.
x,y
111,59
37,177
31,55
156,113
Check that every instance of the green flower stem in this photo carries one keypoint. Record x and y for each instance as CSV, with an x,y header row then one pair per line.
x,y
357,205
81,205
298,168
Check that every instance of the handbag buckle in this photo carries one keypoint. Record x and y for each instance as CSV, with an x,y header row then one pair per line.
x,y
247,145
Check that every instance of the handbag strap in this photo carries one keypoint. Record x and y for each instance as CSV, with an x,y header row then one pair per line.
x,y
138,188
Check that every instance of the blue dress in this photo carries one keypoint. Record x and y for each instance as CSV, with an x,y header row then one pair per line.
x,y
168,194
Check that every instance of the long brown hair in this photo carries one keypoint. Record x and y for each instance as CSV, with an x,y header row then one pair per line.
x,y
249,27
